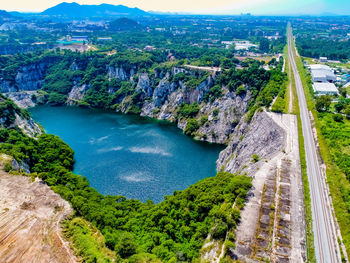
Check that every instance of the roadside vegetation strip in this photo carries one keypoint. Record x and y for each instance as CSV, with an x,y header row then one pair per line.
x,y
280,104
336,179
290,107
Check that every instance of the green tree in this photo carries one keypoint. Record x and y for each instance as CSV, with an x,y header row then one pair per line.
x,y
323,103
264,45
347,112
126,245
191,126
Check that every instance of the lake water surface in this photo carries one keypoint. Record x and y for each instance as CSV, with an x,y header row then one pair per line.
x,y
129,155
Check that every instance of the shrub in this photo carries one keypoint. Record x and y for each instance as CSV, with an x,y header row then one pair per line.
x,y
56,99
347,112
229,245
231,237
255,158
203,120
338,117
126,245
323,103
213,93
241,90
216,112
219,230
188,110
7,167
278,106
134,109
191,126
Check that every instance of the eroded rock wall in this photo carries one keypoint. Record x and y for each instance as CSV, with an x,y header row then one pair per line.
x,y
262,137
28,78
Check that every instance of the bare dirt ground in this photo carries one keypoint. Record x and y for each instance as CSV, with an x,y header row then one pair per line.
x,y
30,215
210,69
273,226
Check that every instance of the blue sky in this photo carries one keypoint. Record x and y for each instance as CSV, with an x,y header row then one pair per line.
x,y
202,6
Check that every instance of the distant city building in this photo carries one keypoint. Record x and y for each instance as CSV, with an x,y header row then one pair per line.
x,y
239,45
104,39
149,48
274,37
243,45
227,42
80,38
73,40
323,59
325,88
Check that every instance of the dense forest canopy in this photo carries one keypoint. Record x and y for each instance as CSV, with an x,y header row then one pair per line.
x,y
316,48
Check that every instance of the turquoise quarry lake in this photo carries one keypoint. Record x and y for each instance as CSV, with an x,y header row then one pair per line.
x,y
129,155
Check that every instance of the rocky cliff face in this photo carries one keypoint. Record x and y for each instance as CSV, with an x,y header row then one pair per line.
x,y
262,137
13,117
159,96
77,93
167,96
28,78
120,73
23,99
28,126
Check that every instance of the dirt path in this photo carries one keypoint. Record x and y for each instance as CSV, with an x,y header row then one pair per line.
x,y
30,215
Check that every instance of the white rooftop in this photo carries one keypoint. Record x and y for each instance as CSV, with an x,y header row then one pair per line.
x,y
323,88
318,73
319,67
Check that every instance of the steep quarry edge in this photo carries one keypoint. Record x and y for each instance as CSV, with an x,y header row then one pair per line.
x,y
158,96
30,216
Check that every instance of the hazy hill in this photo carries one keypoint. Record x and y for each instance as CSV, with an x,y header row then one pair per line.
x,y
124,24
4,14
76,10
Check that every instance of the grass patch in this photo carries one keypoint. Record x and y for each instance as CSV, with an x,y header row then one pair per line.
x,y
88,242
288,96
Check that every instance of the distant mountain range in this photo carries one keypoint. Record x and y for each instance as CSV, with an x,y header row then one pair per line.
x,y
72,10
4,14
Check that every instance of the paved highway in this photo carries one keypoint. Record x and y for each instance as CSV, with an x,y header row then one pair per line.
x,y
327,249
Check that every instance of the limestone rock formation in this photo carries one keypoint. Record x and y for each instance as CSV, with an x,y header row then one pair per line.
x,y
262,137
